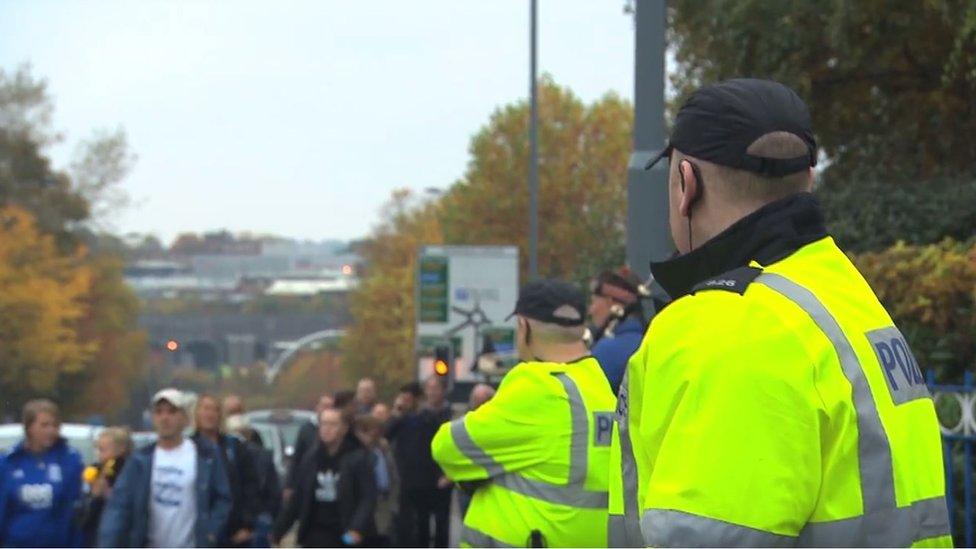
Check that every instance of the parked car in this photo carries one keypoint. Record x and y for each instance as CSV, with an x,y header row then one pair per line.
x,y
279,432
80,436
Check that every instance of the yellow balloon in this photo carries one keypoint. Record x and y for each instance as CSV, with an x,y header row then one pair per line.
x,y
90,474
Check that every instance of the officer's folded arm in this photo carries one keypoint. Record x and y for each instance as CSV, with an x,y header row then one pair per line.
x,y
503,435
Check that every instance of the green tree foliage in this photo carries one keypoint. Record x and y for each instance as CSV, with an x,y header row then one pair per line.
x,y
873,214
42,304
583,164
583,151
379,342
26,107
930,292
104,386
68,320
889,85
99,165
26,179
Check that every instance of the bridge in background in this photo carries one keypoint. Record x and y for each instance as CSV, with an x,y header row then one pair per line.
x,y
208,341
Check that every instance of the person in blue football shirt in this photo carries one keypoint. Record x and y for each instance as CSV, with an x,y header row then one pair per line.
x,y
40,484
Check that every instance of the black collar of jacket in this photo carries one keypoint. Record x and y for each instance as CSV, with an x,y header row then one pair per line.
x,y
767,235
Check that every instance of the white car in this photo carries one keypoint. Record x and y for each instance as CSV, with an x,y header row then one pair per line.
x,y
278,430
80,436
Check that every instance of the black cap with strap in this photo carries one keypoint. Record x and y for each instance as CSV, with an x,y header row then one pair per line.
x,y
552,302
719,122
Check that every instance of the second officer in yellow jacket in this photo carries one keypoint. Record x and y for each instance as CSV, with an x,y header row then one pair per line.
x,y
538,451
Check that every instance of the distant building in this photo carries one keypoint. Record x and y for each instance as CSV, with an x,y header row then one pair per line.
x,y
272,268
218,270
311,286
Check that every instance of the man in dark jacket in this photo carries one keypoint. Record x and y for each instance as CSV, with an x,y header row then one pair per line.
x,y
308,435
241,471
269,484
335,490
170,494
425,491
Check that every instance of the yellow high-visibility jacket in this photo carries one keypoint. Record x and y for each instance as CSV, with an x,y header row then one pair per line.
x,y
540,448
777,405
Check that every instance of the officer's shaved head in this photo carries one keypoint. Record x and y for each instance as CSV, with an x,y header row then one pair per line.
x,y
554,333
547,342
742,186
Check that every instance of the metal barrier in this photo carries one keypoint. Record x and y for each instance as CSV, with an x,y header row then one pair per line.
x,y
957,444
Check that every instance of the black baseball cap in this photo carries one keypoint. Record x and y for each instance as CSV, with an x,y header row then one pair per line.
x,y
552,302
719,122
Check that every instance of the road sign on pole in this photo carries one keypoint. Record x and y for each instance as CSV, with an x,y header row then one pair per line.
x,y
464,296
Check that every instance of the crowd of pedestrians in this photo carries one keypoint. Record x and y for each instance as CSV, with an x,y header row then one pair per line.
x,y
361,474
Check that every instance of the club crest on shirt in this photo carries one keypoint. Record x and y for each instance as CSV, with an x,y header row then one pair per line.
x,y
54,473
37,496
327,490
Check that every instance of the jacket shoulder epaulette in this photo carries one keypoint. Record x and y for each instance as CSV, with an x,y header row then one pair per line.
x,y
736,280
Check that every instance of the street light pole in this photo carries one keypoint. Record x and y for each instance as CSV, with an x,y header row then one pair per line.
x,y
533,150
648,236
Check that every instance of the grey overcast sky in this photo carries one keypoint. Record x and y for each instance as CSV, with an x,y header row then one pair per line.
x,y
298,118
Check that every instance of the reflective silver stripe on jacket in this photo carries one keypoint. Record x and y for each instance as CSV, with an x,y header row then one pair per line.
x,y
625,530
477,538
573,493
666,528
562,494
472,451
923,519
882,522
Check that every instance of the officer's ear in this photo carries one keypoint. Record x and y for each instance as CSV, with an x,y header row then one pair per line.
x,y
810,180
525,329
690,187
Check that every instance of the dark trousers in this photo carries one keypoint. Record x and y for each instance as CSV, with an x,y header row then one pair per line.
x,y
417,506
322,537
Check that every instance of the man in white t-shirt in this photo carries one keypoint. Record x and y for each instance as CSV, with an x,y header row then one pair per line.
x,y
171,494
172,503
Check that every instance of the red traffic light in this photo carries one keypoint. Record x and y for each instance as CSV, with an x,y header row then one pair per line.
x,y
173,345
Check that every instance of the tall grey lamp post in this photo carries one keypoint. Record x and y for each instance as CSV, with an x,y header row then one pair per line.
x,y
648,236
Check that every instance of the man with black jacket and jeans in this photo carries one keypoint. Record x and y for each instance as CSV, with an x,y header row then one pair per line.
x,y
335,490
242,473
425,491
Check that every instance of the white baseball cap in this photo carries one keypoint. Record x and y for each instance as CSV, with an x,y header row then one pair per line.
x,y
171,395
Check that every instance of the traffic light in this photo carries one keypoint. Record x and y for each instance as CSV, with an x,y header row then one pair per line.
x,y
172,345
442,360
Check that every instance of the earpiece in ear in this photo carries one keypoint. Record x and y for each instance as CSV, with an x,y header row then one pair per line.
x,y
699,188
